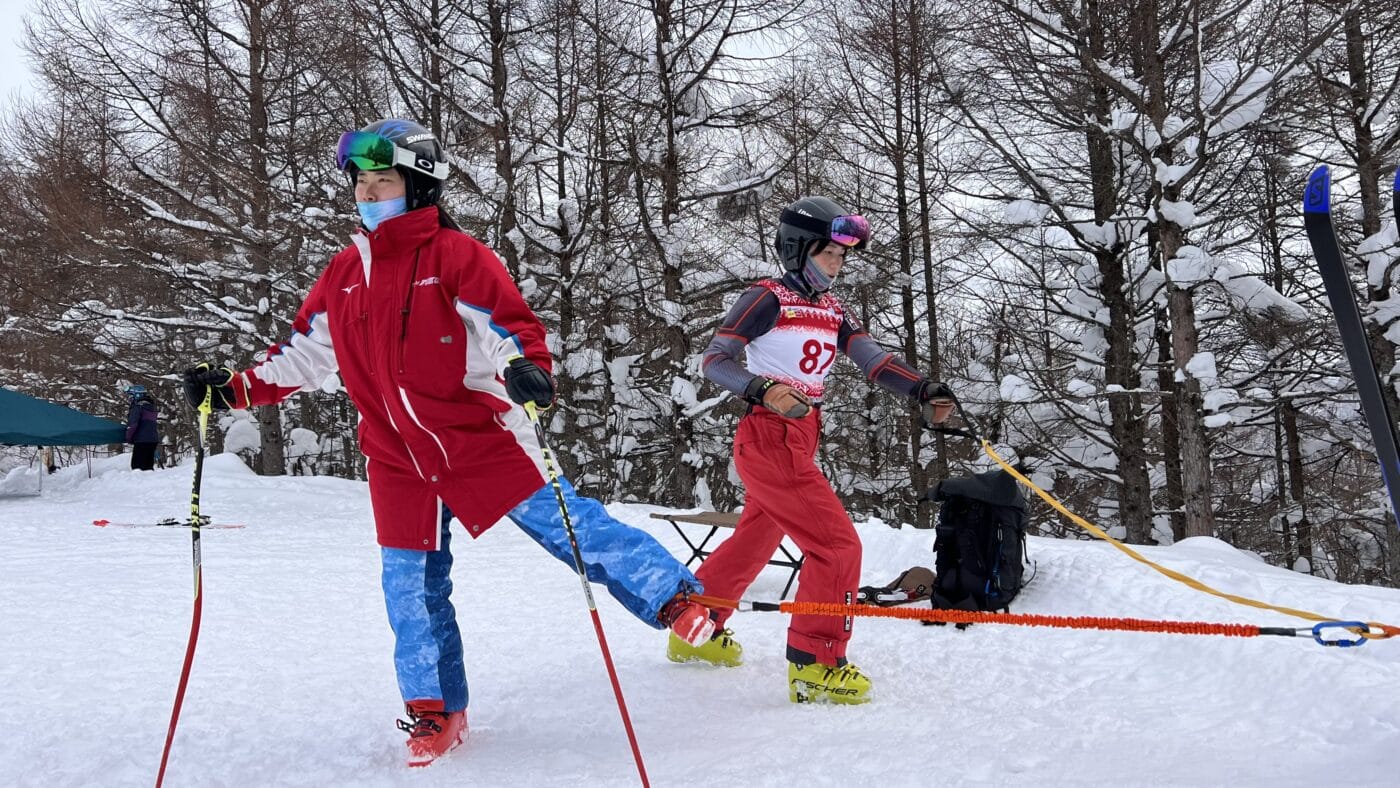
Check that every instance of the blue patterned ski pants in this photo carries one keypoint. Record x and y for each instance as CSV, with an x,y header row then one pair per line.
x,y
638,572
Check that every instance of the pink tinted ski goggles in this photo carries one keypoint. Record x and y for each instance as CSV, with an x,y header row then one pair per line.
x,y
850,231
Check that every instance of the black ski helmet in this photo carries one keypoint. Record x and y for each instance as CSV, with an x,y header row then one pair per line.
x,y
800,224
416,154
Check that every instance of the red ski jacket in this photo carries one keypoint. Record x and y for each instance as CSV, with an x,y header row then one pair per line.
x,y
420,321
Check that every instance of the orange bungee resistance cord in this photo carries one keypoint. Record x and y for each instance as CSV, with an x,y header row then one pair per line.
x,y
1360,631
1319,632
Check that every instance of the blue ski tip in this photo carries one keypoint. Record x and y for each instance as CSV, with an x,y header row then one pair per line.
x,y
1318,196
1397,179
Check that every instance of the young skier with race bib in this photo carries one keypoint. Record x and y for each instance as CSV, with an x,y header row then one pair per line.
x,y
790,330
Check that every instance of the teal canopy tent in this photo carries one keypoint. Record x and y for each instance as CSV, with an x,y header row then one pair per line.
x,y
26,421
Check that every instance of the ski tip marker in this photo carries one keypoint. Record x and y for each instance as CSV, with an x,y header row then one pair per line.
x,y
1318,197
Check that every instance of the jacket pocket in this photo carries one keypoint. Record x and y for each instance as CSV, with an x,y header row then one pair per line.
x,y
431,357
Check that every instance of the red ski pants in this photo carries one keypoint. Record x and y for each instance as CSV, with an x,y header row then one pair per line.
x,y
787,495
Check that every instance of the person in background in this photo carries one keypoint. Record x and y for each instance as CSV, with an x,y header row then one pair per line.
x,y
142,431
790,329
439,353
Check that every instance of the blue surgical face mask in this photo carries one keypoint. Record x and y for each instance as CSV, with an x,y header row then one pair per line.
x,y
372,213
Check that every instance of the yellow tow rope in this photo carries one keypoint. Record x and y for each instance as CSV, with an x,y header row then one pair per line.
x,y
1374,631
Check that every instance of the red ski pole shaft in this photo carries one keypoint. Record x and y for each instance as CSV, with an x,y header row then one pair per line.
x,y
587,591
204,408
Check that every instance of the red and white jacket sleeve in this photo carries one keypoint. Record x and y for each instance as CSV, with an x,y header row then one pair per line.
x,y
499,323
304,361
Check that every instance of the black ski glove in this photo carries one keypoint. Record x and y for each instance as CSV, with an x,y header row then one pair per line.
x,y
201,378
937,402
929,390
526,382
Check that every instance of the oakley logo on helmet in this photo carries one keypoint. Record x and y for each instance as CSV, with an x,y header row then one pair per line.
x,y
425,164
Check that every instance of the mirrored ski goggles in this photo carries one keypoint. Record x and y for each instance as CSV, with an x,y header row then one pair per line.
x,y
850,231
369,151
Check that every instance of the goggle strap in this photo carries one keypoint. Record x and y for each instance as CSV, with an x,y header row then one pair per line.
x,y
804,222
410,160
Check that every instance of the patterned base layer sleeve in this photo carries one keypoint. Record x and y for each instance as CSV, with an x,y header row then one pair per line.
x,y
752,316
879,365
305,360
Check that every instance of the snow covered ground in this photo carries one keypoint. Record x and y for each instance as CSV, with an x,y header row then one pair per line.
x,y
293,681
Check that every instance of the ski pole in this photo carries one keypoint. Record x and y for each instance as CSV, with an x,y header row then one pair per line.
x,y
204,408
587,589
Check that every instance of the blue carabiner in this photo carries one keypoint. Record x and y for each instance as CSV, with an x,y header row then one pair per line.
x,y
1343,642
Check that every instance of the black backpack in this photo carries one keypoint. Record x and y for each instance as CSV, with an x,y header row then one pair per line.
x,y
980,542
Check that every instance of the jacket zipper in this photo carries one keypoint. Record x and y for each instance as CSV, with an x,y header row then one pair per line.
x,y
407,308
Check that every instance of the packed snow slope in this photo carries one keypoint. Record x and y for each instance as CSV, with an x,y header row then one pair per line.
x,y
293,682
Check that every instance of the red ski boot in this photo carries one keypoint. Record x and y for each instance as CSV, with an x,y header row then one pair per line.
x,y
431,731
689,620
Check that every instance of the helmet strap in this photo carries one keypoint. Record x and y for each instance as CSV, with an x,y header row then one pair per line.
x,y
422,190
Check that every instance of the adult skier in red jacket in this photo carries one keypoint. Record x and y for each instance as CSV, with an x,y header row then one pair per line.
x,y
790,329
439,352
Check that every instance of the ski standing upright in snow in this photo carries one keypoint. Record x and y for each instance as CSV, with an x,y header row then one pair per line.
x,y
1317,219
1395,199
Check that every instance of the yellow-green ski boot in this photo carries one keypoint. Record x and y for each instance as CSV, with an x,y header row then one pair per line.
x,y
817,683
721,649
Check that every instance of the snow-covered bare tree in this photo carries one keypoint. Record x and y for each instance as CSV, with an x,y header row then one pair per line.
x,y
1357,113
216,120
1068,210
883,123
1159,94
690,91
